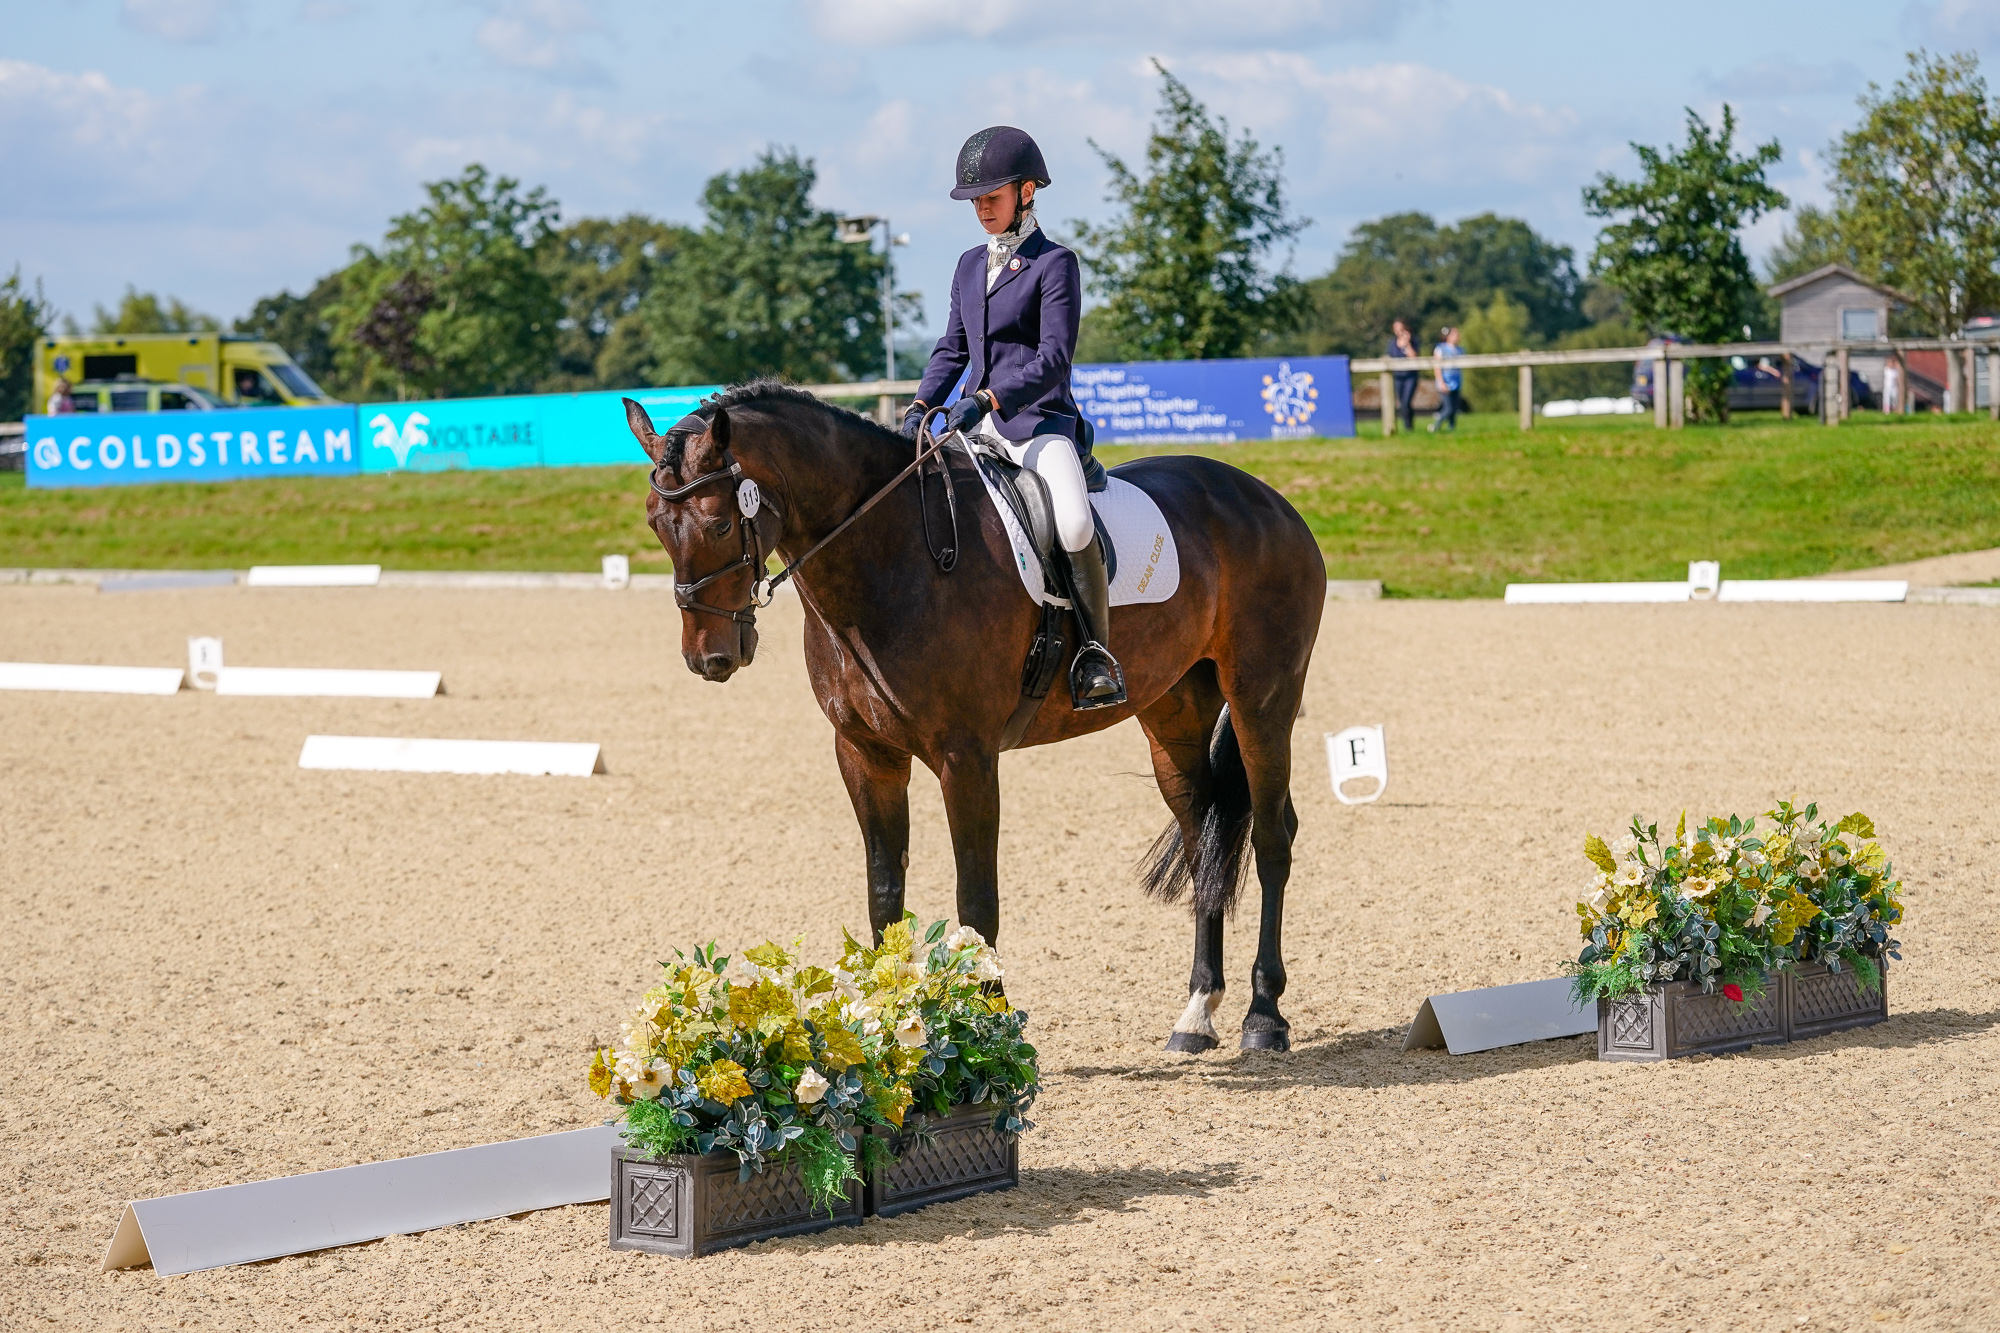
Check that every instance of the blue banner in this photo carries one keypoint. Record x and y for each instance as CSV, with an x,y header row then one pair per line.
x,y
530,430
1216,402
139,448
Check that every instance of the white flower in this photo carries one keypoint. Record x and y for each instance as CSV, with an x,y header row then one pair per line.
x,y
1763,912
1600,900
1695,887
1629,874
843,984
1811,870
910,1032
1626,847
986,966
742,972
963,936
812,1086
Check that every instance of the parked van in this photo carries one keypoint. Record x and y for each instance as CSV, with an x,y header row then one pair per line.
x,y
241,372
137,395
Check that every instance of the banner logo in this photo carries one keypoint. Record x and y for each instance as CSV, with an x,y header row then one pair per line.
x,y
48,453
1289,396
413,435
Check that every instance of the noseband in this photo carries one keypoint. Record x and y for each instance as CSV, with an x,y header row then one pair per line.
x,y
750,503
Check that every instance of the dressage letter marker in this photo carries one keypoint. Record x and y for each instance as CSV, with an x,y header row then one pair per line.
x,y
314,576
617,572
391,754
241,1224
1358,752
1480,1020
89,679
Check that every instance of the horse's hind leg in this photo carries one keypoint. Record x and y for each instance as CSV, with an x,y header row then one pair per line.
x,y
1179,726
1264,739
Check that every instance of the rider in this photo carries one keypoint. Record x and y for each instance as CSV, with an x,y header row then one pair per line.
x,y
1015,302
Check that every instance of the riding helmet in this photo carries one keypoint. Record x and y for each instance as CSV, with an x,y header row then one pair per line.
x,y
996,157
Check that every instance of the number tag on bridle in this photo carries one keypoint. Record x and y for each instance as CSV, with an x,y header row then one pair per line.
x,y
748,499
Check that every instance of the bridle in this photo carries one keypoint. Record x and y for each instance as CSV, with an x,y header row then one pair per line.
x,y
751,504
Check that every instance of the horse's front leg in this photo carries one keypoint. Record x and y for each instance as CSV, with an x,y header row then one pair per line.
x,y
971,782
878,782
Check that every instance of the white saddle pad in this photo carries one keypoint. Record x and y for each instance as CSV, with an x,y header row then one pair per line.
x,y
1149,565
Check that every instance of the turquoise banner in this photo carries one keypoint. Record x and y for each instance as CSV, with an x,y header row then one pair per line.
x,y
532,430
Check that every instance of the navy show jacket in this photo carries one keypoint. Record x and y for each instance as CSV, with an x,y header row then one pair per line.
x,y
1019,339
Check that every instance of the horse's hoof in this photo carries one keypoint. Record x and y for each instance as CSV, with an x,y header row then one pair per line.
x,y
1191,1043
1264,1039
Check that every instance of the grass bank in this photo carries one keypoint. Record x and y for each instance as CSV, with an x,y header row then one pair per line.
x,y
1431,516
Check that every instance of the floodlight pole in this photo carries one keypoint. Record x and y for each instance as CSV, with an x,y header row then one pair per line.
x,y
861,231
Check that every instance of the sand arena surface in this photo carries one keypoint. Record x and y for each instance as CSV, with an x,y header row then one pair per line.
x,y
219,968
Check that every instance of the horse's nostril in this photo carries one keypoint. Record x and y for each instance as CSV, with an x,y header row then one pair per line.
x,y
717,666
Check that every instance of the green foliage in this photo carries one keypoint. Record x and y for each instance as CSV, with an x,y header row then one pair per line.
x,y
1606,381
454,303
602,270
24,317
1916,189
1406,267
826,1168
1502,326
1674,248
1811,240
766,287
650,1127
303,326
144,312
1183,271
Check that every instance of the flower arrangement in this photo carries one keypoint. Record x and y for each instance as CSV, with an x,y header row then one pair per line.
x,y
1730,902
779,1061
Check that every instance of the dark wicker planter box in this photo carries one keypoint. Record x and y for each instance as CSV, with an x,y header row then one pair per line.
x,y
686,1205
1676,1019
966,1156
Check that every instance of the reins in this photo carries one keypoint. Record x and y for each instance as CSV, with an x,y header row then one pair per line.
x,y
750,503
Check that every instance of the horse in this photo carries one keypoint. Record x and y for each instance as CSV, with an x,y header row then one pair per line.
x,y
911,662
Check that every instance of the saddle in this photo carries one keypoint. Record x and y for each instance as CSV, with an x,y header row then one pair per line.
x,y
1028,496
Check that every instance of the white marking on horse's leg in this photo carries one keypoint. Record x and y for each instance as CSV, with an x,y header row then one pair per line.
x,y
1200,1015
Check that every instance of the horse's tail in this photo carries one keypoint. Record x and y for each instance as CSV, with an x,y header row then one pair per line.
x,y
1222,814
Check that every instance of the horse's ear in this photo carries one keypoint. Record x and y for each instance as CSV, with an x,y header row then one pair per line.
x,y
642,429
718,429
704,451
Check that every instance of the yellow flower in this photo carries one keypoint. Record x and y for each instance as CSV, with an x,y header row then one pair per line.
x,y
723,1081
600,1073
892,1102
843,1048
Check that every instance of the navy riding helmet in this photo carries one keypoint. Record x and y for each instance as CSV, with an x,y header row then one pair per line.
x,y
995,157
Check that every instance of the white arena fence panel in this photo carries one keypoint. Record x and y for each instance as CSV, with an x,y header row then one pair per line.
x,y
393,754
329,683
1550,594
313,576
1813,590
89,679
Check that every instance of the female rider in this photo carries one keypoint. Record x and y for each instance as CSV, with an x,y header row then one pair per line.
x,y
1015,302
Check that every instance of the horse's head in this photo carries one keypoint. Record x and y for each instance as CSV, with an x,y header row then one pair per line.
x,y
716,533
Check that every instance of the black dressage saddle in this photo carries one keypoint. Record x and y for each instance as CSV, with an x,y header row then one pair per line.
x,y
1028,496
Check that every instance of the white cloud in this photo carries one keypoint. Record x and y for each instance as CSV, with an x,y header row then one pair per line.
x,y
1953,23
177,20
1786,78
539,36
1211,23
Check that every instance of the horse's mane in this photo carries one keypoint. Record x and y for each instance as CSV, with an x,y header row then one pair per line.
x,y
760,392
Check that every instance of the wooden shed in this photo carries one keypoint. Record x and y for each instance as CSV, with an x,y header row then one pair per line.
x,y
1834,304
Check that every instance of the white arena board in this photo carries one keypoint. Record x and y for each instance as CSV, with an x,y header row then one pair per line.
x,y
1813,590
89,679
327,682
1551,594
264,1219
393,754
1481,1020
313,576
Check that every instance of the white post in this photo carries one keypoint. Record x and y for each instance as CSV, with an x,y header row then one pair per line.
x,y
1846,407
1660,393
1386,384
1527,397
1677,394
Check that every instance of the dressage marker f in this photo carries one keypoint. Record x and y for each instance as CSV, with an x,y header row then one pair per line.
x,y
1357,752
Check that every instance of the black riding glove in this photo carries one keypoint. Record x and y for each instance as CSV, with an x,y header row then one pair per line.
x,y
965,413
913,419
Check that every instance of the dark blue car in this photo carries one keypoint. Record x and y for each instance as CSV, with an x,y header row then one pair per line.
x,y
1757,386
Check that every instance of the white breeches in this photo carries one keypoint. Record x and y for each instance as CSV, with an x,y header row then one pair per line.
x,y
1052,458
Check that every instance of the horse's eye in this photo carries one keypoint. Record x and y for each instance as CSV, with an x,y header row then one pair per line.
x,y
720,527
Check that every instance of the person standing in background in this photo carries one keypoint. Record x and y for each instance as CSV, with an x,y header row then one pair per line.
x,y
60,401
1401,344
1449,379
1892,387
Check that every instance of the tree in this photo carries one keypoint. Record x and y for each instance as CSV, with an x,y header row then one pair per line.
x,y
304,327
1811,240
766,287
143,312
1917,189
1501,326
602,270
1675,250
24,319
1405,266
455,303
1183,272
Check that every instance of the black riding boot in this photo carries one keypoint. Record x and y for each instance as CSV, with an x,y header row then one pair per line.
x,y
1095,679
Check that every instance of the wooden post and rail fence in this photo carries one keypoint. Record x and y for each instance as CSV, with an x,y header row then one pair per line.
x,y
1669,370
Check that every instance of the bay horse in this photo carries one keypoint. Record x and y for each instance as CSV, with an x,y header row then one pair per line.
x,y
909,661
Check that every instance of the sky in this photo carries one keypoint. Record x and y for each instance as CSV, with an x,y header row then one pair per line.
x,y
222,150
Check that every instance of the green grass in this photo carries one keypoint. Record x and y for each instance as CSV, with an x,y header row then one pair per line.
x,y
1431,516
